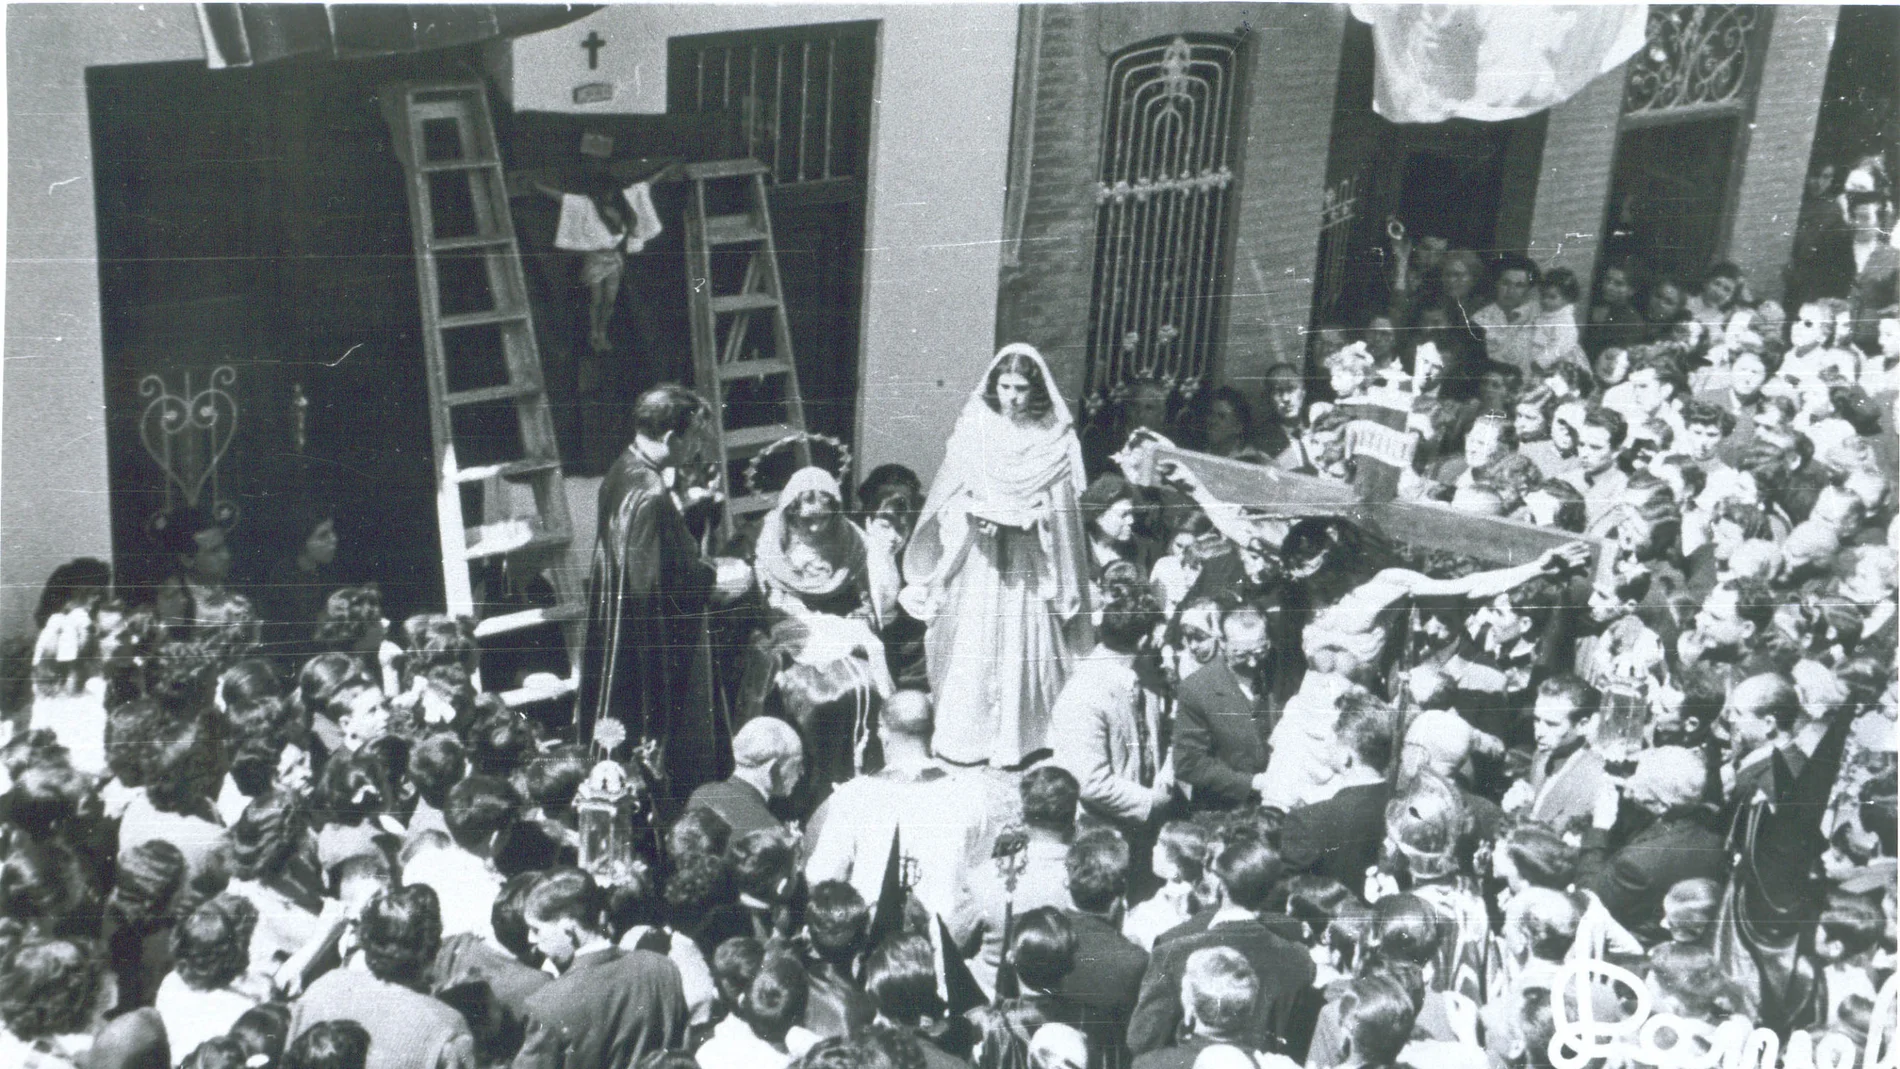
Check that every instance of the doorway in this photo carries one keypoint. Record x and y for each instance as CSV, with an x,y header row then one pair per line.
x,y
1472,183
802,98
259,314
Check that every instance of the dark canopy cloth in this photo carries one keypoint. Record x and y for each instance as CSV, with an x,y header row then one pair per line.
x,y
244,35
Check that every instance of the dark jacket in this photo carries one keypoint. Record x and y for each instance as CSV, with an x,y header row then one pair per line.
x,y
611,1007
470,971
740,803
1284,969
1340,837
1105,984
1220,738
1632,880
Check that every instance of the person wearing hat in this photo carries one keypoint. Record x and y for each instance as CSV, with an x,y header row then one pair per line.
x,y
768,759
1682,843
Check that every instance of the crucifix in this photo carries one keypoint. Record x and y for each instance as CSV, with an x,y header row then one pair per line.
x,y
593,44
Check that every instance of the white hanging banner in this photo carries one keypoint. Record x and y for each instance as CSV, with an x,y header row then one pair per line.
x,y
1492,62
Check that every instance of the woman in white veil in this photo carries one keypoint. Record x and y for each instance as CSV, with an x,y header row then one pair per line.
x,y
998,566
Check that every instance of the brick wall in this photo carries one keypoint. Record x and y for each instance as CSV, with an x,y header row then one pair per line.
x,y
1779,143
1579,149
1044,296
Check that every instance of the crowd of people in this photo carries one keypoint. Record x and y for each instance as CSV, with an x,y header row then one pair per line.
x,y
1062,762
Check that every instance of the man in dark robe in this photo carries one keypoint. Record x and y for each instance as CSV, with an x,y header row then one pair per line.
x,y
647,660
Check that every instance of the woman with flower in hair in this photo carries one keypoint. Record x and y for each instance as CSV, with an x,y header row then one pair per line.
x,y
203,998
999,565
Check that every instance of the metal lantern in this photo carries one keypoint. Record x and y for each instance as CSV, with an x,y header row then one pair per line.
x,y
1622,725
605,805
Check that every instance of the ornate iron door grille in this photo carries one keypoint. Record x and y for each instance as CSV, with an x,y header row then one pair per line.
x,y
786,84
1164,205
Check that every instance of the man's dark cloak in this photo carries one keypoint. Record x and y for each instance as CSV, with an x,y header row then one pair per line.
x,y
647,660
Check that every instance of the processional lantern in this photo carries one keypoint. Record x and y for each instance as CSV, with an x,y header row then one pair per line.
x,y
606,806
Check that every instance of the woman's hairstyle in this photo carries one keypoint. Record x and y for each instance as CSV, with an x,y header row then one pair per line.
x,y
250,682
350,615
734,964
227,625
700,883
1425,825
327,675
1693,977
775,999
1043,949
837,919
268,834
182,768
1098,870
1039,403
43,886
1405,928
149,878
1200,412
262,1031
900,975
352,790
329,1045
480,808
400,932
183,676
500,742
1541,856
48,988
212,946
508,920
45,797
437,764
763,863
80,581
1130,612
552,780
699,831
1186,844
1376,1015
437,640
1564,281
218,1052
129,730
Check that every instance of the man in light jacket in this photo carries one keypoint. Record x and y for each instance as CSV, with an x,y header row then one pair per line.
x,y
1104,725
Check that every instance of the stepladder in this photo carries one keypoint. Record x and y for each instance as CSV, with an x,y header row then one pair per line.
x,y
742,341
501,504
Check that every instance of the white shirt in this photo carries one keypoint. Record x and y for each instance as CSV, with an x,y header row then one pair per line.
x,y
193,1017
465,885
733,1046
942,818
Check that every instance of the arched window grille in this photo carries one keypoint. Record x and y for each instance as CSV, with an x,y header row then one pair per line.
x,y
1164,203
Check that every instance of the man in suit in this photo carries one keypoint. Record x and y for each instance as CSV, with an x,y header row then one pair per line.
x,y
609,1007
1106,980
1566,773
1876,293
768,758
1218,989
1759,720
491,972
1681,844
1224,715
1340,837
1248,871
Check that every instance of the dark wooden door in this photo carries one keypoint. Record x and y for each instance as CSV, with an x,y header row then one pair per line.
x,y
802,96
258,302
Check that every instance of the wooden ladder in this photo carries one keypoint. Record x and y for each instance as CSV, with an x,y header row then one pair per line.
x,y
487,396
728,211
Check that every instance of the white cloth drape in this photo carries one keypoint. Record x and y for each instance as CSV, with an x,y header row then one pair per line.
x,y
1492,62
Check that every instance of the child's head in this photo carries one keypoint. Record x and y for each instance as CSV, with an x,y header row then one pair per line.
x,y
1181,852
1559,288
1689,910
1850,926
